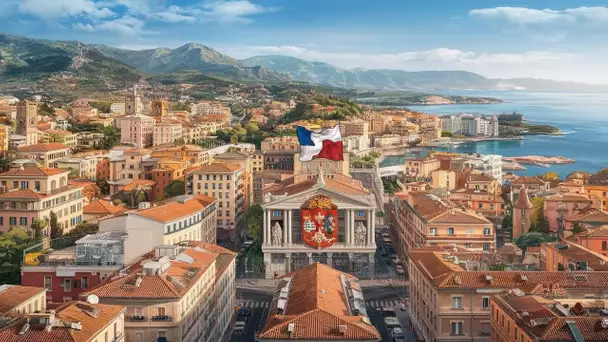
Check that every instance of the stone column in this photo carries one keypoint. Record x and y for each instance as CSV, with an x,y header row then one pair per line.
x,y
351,226
351,261
265,228
309,255
268,264
285,227
330,259
347,237
373,227
369,227
289,227
288,262
372,265
269,226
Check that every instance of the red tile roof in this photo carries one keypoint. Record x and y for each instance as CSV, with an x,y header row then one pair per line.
x,y
176,208
22,194
42,147
218,168
317,306
32,170
523,201
72,312
13,295
287,186
102,207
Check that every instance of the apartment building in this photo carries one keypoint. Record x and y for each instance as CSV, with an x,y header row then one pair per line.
x,y
452,301
427,220
177,293
595,239
244,160
137,130
45,154
30,192
166,133
355,127
377,123
557,208
61,136
225,182
421,167
334,311
536,318
257,160
470,125
22,299
489,164
569,256
89,139
80,167
599,191
71,322
193,154
445,179
209,108
356,143
481,201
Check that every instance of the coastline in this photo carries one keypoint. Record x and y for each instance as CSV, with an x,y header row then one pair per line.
x,y
458,141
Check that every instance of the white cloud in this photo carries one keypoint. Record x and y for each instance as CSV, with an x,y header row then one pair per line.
x,y
175,14
53,9
126,26
232,11
529,16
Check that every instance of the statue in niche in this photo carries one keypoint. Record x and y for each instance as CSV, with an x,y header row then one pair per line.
x,y
277,234
360,234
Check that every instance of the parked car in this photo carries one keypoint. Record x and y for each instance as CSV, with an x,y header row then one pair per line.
x,y
397,335
239,328
389,313
392,322
244,312
248,242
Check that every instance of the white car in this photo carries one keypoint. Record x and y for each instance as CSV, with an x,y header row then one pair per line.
x,y
397,335
392,322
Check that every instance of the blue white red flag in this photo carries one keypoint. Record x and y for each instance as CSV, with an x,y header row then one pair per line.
x,y
326,143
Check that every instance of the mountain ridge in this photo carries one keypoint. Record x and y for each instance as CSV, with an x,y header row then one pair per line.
x,y
390,79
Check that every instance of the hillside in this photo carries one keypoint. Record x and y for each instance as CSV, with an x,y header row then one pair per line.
x,y
192,57
323,73
325,107
59,66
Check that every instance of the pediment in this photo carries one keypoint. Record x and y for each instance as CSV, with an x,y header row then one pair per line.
x,y
341,200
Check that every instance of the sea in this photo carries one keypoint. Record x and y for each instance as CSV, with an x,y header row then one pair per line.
x,y
582,118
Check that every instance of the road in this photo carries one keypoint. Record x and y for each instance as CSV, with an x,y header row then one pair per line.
x,y
259,312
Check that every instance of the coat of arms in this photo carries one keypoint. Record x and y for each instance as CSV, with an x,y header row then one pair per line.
x,y
319,222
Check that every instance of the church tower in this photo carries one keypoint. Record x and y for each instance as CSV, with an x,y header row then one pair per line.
x,y
133,104
27,119
522,214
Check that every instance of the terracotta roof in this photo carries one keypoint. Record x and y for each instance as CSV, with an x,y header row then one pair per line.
x,y
22,194
179,207
317,306
138,183
174,283
568,197
528,180
32,170
137,151
479,177
12,296
287,186
591,216
445,274
42,147
574,252
72,312
556,327
102,207
593,232
219,168
523,201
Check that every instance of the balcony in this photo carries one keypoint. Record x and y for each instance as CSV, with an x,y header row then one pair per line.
x,y
136,318
162,318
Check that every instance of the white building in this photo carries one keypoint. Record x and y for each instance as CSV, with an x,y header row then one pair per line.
x,y
470,125
321,220
489,164
356,143
167,133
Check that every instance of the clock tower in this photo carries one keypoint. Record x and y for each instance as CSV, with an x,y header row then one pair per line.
x,y
133,105
27,119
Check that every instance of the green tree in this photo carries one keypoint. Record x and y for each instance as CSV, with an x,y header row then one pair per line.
x,y
84,228
234,139
46,109
550,176
252,127
56,229
532,239
507,222
5,162
103,185
175,188
560,267
539,220
38,226
577,228
101,106
180,106
254,219
12,244
179,141
446,134
111,137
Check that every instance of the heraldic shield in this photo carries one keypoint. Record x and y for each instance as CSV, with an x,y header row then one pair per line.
x,y
319,222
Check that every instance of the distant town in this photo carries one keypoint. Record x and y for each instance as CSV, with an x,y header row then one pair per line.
x,y
149,215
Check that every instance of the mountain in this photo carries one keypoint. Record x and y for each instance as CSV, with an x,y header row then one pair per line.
x,y
25,61
192,57
323,73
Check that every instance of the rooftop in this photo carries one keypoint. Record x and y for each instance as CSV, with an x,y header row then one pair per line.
x,y
318,303
178,207
556,320
31,170
12,296
42,147
102,207
74,321
346,185
219,168
438,210
580,257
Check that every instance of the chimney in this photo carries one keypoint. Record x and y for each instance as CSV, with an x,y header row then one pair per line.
x,y
342,329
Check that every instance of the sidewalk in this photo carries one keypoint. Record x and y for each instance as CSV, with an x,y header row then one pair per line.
x,y
271,284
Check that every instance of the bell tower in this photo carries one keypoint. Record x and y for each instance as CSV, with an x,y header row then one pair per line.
x,y
133,105
27,119
522,214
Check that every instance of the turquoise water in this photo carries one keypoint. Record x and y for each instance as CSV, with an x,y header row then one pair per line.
x,y
582,117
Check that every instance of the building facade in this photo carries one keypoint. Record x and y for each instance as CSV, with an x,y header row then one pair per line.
x,y
45,154
27,119
319,220
137,130
167,133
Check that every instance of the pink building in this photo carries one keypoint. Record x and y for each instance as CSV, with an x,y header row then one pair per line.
x,y
29,192
137,130
559,207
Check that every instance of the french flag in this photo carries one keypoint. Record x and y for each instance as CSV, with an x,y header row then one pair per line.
x,y
326,143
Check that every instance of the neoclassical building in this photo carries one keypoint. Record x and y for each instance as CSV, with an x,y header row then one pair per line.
x,y
326,219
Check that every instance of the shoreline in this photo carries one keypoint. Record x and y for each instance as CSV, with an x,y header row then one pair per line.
x,y
458,141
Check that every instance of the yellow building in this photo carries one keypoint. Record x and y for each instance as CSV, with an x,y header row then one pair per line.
x,y
599,191
445,179
67,138
160,108
4,133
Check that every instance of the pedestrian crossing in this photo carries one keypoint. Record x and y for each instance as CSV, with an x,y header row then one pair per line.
x,y
253,304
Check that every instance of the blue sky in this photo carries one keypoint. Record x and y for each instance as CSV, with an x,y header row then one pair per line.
x,y
558,39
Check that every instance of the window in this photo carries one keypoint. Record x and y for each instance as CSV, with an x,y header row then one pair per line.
x,y
276,213
468,231
37,185
12,221
456,302
105,335
480,205
162,333
486,231
84,282
433,231
486,247
450,231
23,221
161,311
515,334
48,284
604,245
485,302
360,213
467,245
456,328
67,284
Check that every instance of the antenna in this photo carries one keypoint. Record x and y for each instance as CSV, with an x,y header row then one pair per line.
x,y
92,299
